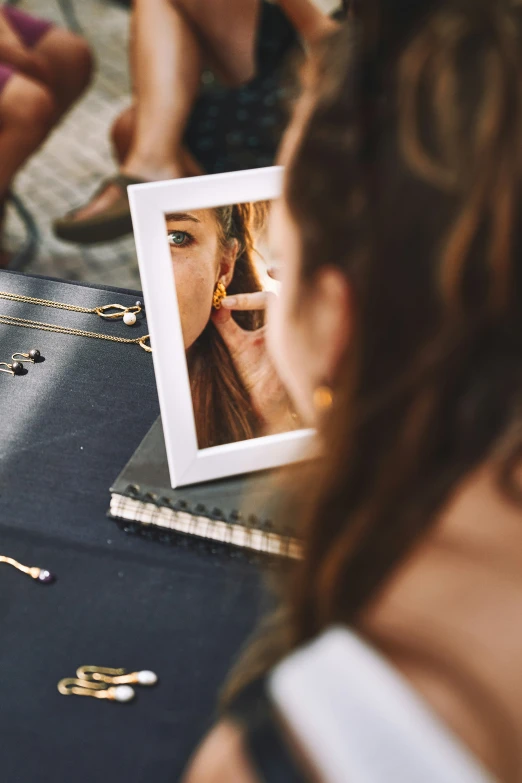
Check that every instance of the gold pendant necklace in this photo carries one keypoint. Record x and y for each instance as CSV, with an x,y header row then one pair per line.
x,y
128,314
11,320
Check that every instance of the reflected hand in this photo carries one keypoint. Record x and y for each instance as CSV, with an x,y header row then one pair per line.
x,y
252,362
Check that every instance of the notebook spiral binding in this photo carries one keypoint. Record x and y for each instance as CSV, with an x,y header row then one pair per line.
x,y
156,517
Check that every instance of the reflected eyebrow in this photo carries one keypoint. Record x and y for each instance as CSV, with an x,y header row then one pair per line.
x,y
179,217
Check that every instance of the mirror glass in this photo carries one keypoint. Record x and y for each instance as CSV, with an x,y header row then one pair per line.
x,y
215,252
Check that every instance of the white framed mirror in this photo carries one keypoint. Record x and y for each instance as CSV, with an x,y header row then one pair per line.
x,y
223,413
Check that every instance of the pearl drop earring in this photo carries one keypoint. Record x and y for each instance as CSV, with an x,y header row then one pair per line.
x,y
116,676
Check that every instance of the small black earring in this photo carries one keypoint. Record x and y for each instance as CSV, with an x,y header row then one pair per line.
x,y
31,356
16,368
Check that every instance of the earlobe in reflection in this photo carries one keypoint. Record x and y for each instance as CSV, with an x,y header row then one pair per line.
x,y
219,293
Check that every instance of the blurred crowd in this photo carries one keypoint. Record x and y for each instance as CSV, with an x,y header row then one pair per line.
x,y
175,126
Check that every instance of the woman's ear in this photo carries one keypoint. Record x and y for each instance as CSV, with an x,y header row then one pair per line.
x,y
330,321
227,263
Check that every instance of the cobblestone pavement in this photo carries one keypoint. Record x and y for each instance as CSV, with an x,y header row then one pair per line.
x,y
69,167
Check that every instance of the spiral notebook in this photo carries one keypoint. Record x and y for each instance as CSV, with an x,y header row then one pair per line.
x,y
234,512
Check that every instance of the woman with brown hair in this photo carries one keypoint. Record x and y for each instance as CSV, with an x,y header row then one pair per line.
x,y
215,250
398,655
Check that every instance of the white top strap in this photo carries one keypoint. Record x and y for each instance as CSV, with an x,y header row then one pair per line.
x,y
361,722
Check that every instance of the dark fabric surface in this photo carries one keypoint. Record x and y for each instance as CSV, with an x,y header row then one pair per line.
x,y
67,428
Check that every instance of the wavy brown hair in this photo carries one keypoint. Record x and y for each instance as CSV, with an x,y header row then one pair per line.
x,y
222,407
407,177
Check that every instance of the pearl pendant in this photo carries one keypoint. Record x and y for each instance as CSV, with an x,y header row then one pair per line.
x,y
147,678
123,693
46,577
129,319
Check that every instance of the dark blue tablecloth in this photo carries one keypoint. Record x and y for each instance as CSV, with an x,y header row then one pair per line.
x,y
67,427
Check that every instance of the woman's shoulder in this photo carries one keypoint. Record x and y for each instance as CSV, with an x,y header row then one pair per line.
x,y
355,713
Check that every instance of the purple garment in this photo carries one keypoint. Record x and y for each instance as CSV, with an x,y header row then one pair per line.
x,y
28,28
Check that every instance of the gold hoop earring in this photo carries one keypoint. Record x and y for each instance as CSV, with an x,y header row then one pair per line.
x,y
323,398
219,293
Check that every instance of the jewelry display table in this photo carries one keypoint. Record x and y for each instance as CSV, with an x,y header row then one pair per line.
x,y
68,426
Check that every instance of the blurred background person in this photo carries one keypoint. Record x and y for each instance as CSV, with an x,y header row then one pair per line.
x,y
43,71
398,333
172,41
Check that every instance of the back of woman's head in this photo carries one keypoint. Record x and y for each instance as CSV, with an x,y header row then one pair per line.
x,y
407,176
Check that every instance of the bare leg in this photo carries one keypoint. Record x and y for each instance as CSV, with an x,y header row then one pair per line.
x,y
69,61
27,114
227,30
122,133
166,86
168,38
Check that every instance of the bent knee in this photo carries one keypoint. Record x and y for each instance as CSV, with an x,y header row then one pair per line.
x,y
28,104
122,127
72,57
79,54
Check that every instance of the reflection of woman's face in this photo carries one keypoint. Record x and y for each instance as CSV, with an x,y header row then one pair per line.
x,y
199,261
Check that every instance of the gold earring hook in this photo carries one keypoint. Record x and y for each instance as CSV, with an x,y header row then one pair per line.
x,y
116,676
71,685
9,370
86,672
143,343
30,356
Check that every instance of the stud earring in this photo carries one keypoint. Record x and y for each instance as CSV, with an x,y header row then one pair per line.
x,y
31,356
70,685
323,398
116,676
16,368
40,574
219,293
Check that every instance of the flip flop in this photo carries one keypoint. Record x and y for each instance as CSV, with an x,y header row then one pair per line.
x,y
113,223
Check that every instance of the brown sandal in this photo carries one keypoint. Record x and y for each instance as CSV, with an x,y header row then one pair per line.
x,y
112,223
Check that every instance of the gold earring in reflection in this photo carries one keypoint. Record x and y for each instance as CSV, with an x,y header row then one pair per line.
x,y
323,398
219,293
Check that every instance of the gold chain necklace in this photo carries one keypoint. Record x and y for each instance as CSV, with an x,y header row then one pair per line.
x,y
11,320
128,314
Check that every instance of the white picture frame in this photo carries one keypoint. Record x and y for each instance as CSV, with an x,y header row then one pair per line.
x,y
149,204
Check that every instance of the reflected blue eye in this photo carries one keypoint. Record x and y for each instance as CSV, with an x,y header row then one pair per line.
x,y
179,238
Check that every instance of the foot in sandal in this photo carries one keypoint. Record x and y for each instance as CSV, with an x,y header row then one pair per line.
x,y
104,218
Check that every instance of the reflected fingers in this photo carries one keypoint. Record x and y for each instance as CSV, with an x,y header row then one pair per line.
x,y
255,301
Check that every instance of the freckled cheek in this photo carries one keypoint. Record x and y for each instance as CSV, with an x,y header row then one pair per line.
x,y
194,289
